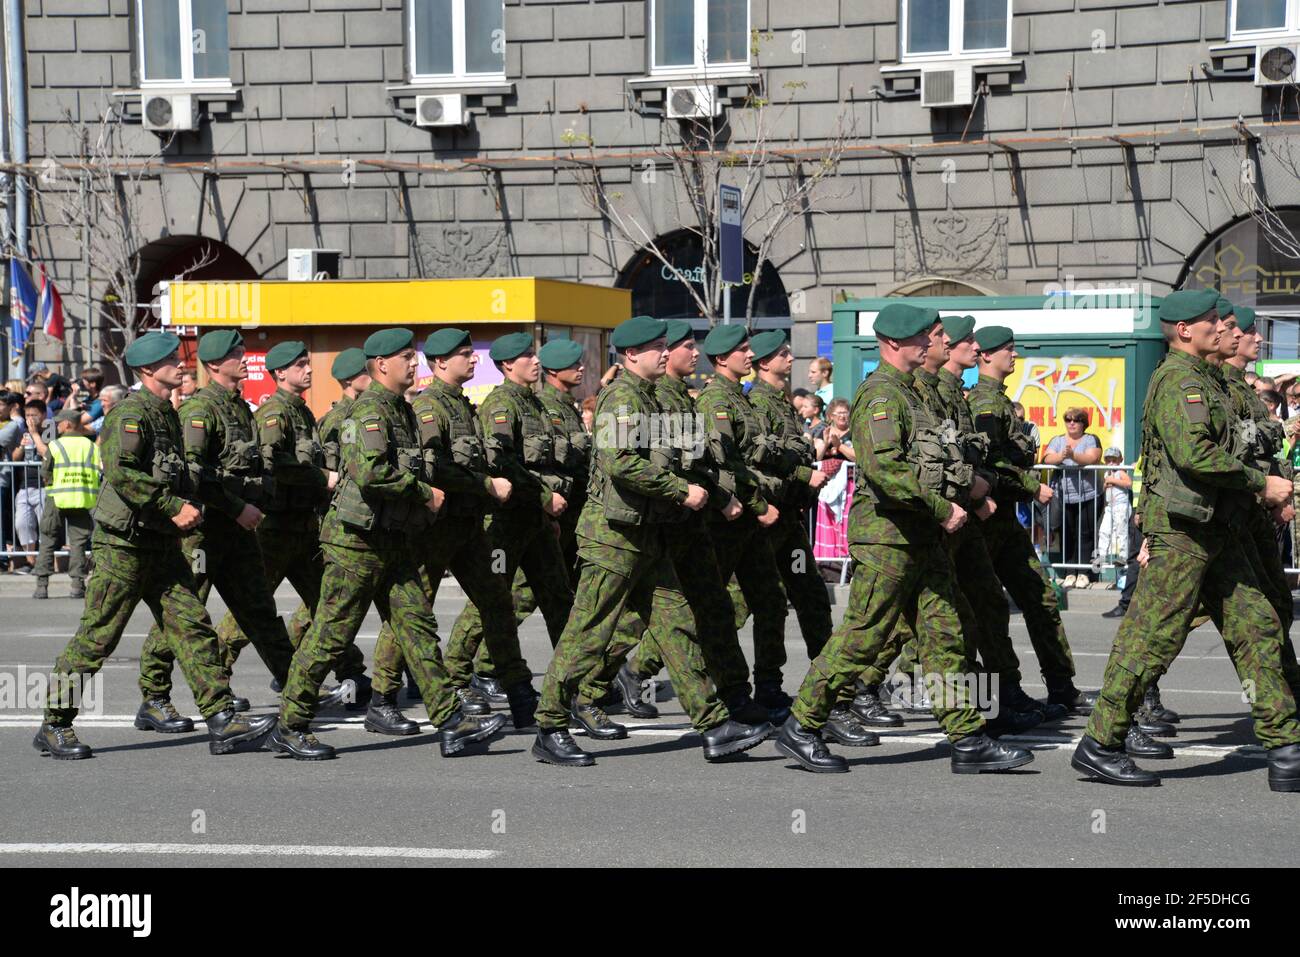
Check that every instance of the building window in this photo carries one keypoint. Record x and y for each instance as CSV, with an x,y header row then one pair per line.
x,y
1252,19
942,29
182,42
457,40
699,36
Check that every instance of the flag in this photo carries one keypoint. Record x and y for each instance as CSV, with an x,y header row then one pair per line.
x,y
50,308
22,306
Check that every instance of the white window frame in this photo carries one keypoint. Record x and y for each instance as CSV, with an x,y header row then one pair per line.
x,y
956,24
187,79
1290,28
701,67
458,76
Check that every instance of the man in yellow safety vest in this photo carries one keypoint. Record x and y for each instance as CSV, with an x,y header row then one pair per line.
x,y
71,473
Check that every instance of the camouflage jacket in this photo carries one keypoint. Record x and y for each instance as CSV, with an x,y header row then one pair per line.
x,y
1263,442
521,445
331,427
953,397
734,430
890,505
451,430
943,395
792,458
291,449
1009,460
573,445
221,449
674,397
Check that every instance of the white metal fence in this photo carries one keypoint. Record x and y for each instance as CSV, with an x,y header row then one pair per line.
x,y
18,482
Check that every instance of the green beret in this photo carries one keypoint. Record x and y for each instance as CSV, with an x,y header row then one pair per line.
x,y
958,328
989,338
348,364
284,354
560,353
1225,308
722,339
387,342
766,343
678,331
215,346
150,348
637,331
1245,318
444,342
68,415
1187,305
511,346
901,320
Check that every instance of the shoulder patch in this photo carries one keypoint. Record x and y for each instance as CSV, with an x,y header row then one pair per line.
x,y
372,435
131,440
884,430
1194,406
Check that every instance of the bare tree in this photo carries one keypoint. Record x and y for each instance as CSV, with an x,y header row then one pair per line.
x,y
779,187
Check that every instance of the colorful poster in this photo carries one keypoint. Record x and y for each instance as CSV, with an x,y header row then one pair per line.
x,y
1049,385
260,384
486,374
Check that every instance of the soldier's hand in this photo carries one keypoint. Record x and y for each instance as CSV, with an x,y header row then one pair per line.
x,y
955,520
733,509
985,509
818,479
1044,495
187,518
435,500
501,489
556,506
1283,513
1277,491
332,481
979,488
1144,554
696,497
768,518
250,517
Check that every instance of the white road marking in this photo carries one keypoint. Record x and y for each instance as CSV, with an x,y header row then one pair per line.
x,y
257,850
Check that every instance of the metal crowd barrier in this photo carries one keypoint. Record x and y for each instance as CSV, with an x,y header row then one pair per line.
x,y
10,473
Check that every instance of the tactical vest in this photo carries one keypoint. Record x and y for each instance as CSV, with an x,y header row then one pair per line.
x,y
167,466
307,452
621,505
364,514
75,476
1184,497
240,463
465,445
936,456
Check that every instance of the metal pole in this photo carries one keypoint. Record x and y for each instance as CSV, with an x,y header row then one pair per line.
x,y
726,305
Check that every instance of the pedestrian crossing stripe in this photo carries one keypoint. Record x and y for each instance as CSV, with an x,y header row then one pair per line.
x,y
196,424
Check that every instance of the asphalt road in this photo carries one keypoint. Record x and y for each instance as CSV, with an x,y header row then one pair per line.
x,y
148,800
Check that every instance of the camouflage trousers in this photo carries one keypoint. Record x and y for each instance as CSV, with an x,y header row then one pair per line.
x,y
229,559
517,539
742,550
458,543
1206,563
120,580
1020,571
355,577
888,581
690,550
647,588
292,553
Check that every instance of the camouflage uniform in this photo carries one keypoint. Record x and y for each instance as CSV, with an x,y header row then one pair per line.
x,y
221,449
734,429
378,512
1014,559
290,534
894,536
137,556
623,537
452,438
520,446
1194,488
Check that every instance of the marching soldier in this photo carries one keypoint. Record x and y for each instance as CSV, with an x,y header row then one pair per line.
x,y
221,450
1191,499
349,370
384,503
143,508
898,514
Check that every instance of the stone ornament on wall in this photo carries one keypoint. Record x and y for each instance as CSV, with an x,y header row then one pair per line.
x,y
950,244
459,252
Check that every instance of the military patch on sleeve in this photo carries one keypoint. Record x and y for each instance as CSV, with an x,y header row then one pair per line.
x,y
196,432
884,430
372,435
986,422
722,422
426,417
131,441
501,423
1194,405
272,421
197,424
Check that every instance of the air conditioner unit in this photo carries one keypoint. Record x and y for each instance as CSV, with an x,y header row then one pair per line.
x,y
952,84
306,265
693,102
1275,65
169,112
444,109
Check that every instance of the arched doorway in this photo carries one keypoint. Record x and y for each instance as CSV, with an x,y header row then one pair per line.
x,y
190,257
938,286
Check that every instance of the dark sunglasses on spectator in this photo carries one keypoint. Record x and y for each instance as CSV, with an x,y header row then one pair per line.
x,y
1075,418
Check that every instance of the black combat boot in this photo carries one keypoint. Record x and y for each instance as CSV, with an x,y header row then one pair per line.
x,y
462,729
299,744
843,727
1009,721
78,589
1051,711
1119,611
1284,768
239,705
522,699
42,588
489,687
473,701
771,696
1147,724
1110,765
159,714
277,685
638,693
384,717
229,733
744,709
977,753
556,746
1139,744
1061,691
596,723
60,742
1154,707
866,705
808,749
732,737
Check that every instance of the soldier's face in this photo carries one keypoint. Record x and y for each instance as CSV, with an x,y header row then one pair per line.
x,y
233,367
398,371
683,358
524,370
963,352
1229,338
572,376
740,360
1203,335
780,362
1002,362
167,371
360,383
1248,345
298,375
460,365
